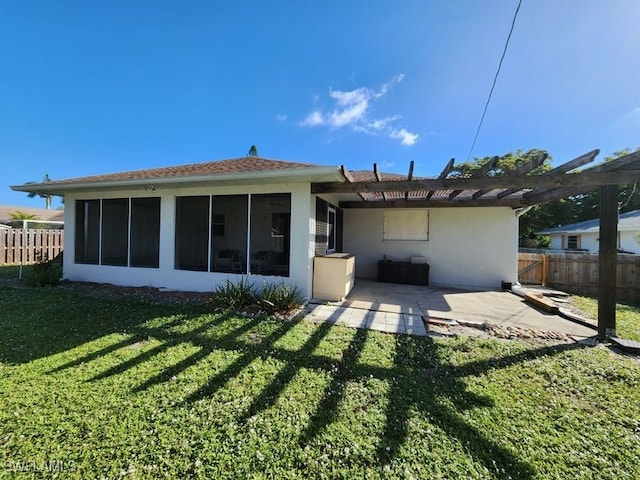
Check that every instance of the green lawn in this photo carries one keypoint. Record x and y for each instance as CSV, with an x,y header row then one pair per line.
x,y
8,272
119,388
627,316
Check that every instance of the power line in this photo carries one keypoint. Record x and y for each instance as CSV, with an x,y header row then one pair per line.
x,y
495,79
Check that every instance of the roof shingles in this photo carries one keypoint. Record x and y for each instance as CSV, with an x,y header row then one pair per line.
x,y
220,167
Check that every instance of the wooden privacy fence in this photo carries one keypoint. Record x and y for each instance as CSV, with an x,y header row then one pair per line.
x,y
577,273
26,246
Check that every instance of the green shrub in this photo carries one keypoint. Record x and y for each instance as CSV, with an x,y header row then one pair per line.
x,y
234,296
280,298
242,296
44,272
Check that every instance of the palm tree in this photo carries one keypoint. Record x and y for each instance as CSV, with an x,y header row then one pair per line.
x,y
18,216
46,196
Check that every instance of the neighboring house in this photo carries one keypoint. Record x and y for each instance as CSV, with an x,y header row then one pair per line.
x,y
192,227
7,211
584,236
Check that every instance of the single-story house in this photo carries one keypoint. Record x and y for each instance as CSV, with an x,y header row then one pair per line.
x,y
7,213
192,227
585,236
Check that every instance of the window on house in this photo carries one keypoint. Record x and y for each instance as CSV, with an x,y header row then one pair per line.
x,y
115,231
573,242
270,234
145,232
229,233
212,233
87,234
331,227
192,233
406,225
118,231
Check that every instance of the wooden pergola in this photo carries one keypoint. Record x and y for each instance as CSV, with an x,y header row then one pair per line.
x,y
518,189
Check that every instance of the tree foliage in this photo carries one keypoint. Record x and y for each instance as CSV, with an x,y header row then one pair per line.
x,y
559,212
508,162
47,198
20,215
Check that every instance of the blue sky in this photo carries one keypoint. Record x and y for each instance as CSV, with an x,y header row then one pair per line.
x,y
107,86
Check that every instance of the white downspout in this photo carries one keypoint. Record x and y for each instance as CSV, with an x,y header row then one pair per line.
x,y
519,213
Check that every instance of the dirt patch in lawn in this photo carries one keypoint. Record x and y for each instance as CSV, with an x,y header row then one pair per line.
x,y
107,291
147,294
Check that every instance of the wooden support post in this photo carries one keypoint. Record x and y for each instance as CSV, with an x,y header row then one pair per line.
x,y
608,261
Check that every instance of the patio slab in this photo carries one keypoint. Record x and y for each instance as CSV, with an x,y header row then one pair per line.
x,y
396,308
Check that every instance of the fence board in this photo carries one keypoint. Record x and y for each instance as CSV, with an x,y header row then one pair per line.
x,y
26,246
578,273
531,268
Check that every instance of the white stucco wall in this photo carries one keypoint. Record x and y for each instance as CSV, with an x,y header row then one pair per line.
x,y
467,247
166,276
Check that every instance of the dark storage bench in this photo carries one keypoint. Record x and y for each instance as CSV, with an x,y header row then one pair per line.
x,y
403,272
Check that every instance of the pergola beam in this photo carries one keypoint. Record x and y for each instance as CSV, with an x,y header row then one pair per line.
x,y
409,177
584,179
347,174
523,169
446,171
479,173
378,176
444,203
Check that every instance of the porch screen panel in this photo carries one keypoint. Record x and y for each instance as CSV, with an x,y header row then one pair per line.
x,y
321,227
115,231
192,233
331,233
87,234
339,230
145,232
270,234
229,233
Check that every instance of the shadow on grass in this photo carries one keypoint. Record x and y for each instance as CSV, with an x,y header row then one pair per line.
x,y
37,323
417,384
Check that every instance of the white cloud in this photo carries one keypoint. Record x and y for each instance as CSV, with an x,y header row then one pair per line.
x,y
387,164
281,117
352,109
381,123
314,119
385,86
354,103
405,136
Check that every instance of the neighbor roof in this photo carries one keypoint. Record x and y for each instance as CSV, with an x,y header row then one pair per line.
x,y
629,221
39,213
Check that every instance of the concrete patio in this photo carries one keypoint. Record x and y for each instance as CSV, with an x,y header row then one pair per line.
x,y
396,308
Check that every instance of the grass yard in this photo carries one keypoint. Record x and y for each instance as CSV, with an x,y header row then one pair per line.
x,y
627,316
8,272
118,388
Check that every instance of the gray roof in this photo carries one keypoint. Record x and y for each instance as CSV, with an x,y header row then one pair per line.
x,y
629,221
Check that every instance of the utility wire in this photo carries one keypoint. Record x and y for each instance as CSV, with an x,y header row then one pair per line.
x,y
495,79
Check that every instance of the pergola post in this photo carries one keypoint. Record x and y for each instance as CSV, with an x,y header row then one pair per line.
x,y
608,261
